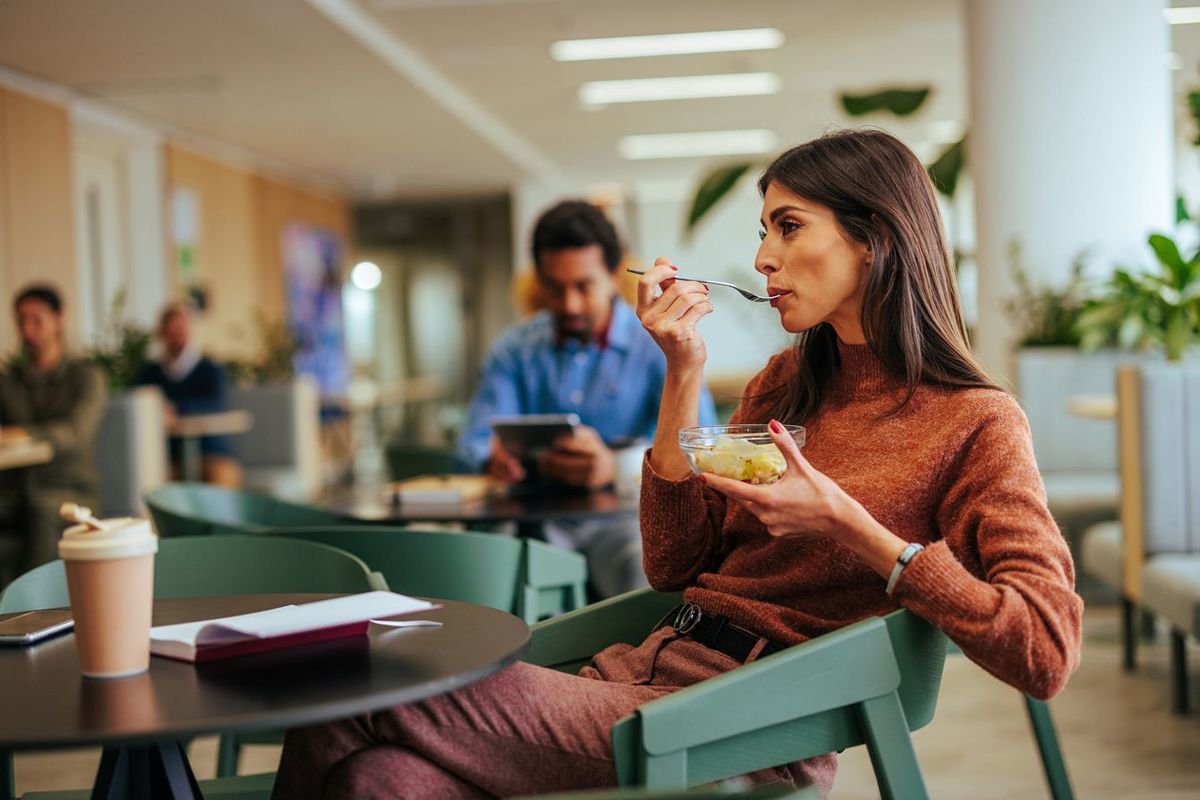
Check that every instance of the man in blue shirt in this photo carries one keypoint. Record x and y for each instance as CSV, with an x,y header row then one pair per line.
x,y
586,354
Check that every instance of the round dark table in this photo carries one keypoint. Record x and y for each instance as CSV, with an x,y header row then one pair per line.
x,y
529,512
142,720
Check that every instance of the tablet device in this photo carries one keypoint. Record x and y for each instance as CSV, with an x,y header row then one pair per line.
x,y
27,627
526,435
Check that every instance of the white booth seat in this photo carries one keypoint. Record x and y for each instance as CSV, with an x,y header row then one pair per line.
x,y
1100,553
131,450
1171,586
281,454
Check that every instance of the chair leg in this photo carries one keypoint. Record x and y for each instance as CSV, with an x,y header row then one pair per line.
x,y
1046,737
227,755
1179,672
890,746
8,779
1148,625
1128,636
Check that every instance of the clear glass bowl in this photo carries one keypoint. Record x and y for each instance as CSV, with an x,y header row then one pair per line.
x,y
741,452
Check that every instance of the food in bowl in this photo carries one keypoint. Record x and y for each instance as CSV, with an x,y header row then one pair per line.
x,y
741,452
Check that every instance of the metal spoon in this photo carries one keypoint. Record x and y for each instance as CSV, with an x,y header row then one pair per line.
x,y
751,296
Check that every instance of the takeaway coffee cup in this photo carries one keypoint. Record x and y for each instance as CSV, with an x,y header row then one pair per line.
x,y
110,576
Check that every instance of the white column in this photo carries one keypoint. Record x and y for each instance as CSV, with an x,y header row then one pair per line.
x,y
1070,142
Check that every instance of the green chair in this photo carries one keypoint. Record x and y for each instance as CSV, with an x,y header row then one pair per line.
x,y
197,509
410,460
528,578
868,683
206,566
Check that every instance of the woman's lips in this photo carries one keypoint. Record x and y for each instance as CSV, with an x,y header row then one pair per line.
x,y
781,294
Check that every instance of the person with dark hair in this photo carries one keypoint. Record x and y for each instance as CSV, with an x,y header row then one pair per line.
x,y
48,395
192,383
586,354
917,489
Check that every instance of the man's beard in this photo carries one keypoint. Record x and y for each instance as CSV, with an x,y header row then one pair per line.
x,y
574,327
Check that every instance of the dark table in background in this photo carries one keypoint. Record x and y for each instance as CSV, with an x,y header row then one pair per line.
x,y
141,721
529,512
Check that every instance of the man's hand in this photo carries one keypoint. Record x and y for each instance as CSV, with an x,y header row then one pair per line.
x,y
502,466
581,460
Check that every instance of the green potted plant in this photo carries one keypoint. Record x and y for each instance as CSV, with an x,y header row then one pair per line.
x,y
121,348
1047,316
1143,309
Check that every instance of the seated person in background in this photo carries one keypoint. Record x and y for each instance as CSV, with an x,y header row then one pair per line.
x,y
917,489
587,354
47,395
192,384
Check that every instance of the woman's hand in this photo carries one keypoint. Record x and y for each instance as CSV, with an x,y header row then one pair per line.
x,y
671,317
806,502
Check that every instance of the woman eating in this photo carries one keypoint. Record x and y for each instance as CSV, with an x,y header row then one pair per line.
x,y
917,488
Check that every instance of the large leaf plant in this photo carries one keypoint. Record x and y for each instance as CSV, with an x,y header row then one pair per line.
x,y
902,102
1142,309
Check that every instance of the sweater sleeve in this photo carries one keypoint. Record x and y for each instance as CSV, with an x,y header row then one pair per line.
x,y
682,521
77,431
1014,611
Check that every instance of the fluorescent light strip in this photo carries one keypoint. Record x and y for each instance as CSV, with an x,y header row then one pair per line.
x,y
669,44
1185,15
640,90
702,143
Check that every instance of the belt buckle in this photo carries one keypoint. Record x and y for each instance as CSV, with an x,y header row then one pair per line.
x,y
687,619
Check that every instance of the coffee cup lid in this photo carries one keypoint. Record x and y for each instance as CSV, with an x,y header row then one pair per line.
x,y
120,538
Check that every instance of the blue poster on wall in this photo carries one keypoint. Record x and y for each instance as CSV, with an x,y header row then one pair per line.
x,y
312,269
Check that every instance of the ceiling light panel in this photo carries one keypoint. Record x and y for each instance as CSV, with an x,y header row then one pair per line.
x,y
640,90
700,143
670,44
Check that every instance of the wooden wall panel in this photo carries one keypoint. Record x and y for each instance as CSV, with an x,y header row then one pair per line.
x,y
281,204
226,262
239,250
37,234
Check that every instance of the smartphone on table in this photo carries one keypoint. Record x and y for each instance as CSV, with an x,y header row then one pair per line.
x,y
29,627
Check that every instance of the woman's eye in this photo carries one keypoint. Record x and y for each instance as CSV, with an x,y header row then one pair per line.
x,y
762,236
788,226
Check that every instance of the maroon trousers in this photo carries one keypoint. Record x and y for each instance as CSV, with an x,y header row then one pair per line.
x,y
524,730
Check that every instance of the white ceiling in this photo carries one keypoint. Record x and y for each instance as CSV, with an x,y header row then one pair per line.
x,y
279,78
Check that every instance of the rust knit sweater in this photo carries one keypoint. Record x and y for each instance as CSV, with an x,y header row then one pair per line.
x,y
954,471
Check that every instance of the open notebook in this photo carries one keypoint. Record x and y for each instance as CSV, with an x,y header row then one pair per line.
x,y
285,626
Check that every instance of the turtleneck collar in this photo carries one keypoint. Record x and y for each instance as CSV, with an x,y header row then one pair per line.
x,y
861,370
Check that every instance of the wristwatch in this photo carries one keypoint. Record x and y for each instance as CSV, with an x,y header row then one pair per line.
x,y
906,555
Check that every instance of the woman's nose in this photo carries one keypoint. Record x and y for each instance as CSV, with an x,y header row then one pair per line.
x,y
764,262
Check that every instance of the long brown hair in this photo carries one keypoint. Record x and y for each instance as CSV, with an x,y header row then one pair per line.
x,y
882,197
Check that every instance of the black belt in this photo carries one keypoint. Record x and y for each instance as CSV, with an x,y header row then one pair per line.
x,y
715,631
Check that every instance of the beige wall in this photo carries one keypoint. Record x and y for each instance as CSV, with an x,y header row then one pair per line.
x,y
37,240
238,250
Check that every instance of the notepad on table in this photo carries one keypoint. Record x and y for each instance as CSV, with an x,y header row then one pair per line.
x,y
442,489
286,626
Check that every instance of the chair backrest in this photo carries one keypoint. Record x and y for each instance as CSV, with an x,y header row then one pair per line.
x,y
131,450
411,460
1159,422
471,567
1046,377
195,509
201,566
286,433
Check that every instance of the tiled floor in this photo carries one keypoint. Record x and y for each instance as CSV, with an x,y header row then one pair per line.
x,y
1121,741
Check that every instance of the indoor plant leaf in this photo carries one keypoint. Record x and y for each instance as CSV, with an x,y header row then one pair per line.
x,y
945,170
900,102
712,189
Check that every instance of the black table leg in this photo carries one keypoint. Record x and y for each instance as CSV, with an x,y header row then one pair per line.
x,y
145,773
531,529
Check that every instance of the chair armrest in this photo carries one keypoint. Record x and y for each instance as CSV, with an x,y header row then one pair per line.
x,y
550,567
579,635
838,669
377,582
